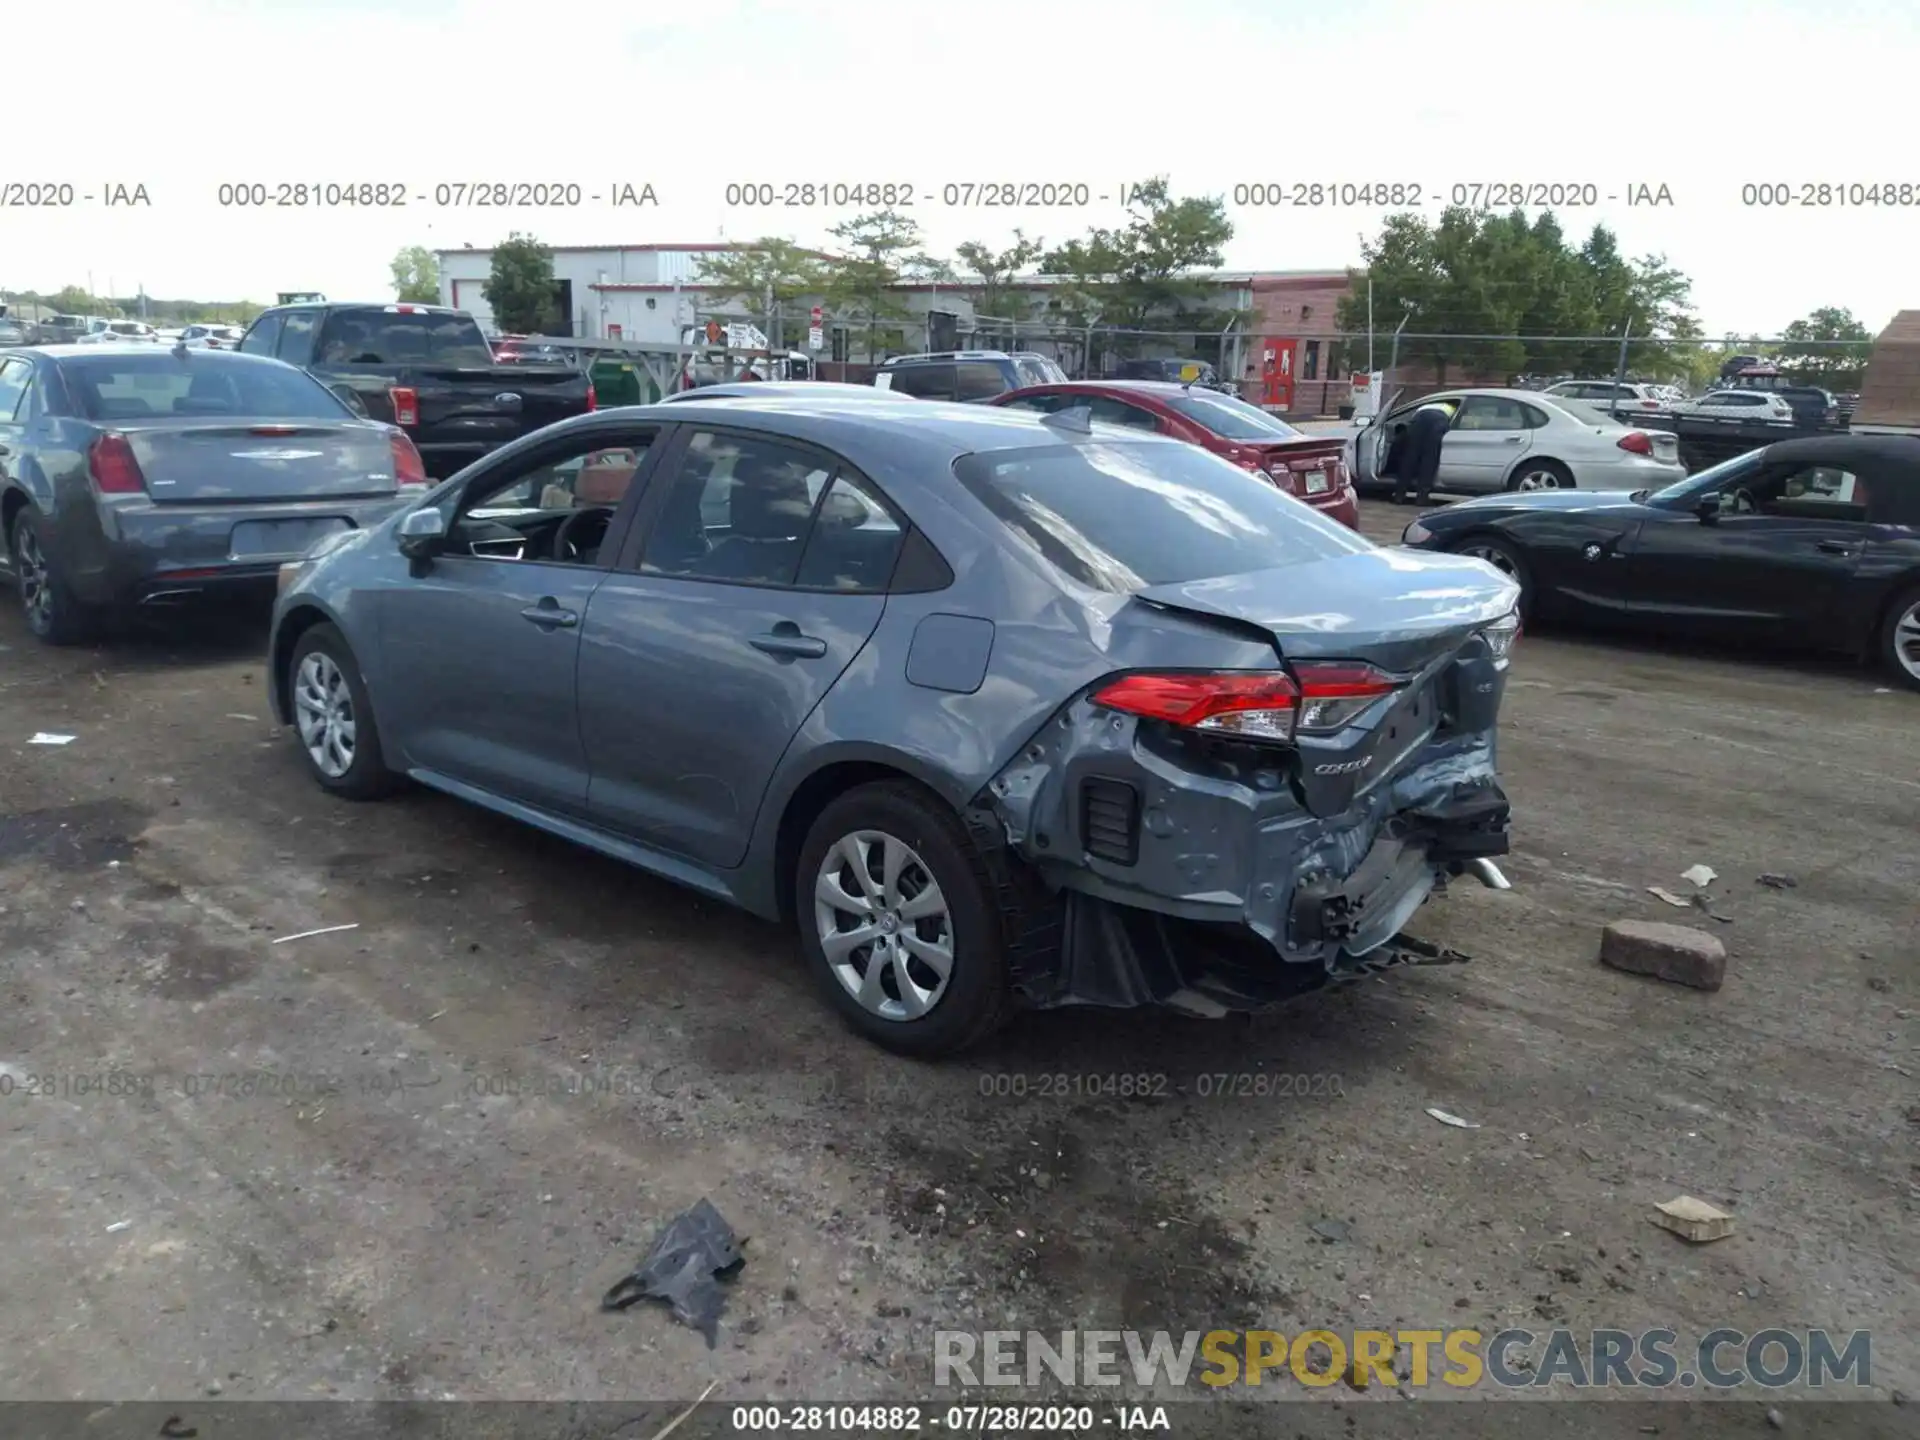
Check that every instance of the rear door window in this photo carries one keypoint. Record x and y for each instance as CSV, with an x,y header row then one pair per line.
x,y
854,542
924,382
979,380
1110,411
14,375
1490,412
1125,515
296,337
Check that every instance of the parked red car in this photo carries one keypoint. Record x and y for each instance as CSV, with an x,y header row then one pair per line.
x,y
1308,467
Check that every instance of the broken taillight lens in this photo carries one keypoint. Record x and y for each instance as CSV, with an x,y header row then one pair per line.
x,y
1250,704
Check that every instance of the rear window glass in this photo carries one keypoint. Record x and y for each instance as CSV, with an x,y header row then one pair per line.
x,y
1123,516
1232,419
380,337
145,387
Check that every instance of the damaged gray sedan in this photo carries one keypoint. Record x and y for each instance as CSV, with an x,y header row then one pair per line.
x,y
998,710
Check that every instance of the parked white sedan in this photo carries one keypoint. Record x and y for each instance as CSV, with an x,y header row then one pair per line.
x,y
1738,405
211,337
1523,440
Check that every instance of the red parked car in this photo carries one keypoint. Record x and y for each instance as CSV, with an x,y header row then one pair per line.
x,y
1308,467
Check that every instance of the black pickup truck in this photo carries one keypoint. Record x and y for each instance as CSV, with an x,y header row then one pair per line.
x,y
424,368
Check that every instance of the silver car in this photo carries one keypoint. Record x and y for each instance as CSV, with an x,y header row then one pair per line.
x,y
996,710
1523,440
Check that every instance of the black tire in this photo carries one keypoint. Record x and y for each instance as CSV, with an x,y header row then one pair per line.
x,y
53,613
1548,467
1887,648
1503,555
367,776
977,998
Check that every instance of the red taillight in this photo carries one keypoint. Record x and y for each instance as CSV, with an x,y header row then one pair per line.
x,y
406,405
274,430
593,398
1636,441
114,470
409,472
1252,705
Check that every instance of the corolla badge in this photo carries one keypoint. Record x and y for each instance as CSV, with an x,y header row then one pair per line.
x,y
278,454
1591,550
1345,767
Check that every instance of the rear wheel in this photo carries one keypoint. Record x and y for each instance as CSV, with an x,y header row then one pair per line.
x,y
1900,640
53,614
1506,558
898,920
1540,475
335,723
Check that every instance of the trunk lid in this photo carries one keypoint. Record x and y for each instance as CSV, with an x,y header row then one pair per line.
x,y
1294,464
1400,609
198,462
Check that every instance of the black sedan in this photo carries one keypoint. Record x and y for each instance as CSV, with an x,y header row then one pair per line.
x,y
131,475
1808,543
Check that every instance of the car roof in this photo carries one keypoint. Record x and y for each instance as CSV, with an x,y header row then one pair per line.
x,y
147,347
1158,389
1850,449
933,432
773,389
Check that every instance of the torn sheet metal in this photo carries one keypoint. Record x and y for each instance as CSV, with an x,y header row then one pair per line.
x,y
692,1254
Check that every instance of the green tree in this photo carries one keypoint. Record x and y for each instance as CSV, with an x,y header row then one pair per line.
x,y
1505,294
416,276
770,269
1828,348
1142,275
988,277
520,290
883,249
72,300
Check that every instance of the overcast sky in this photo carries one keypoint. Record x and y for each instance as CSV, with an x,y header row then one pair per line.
x,y
1699,96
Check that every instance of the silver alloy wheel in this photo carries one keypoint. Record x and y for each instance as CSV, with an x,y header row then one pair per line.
x,y
1498,558
1906,640
323,713
883,924
1540,480
36,589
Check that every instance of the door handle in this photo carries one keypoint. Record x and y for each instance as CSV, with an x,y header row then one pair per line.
x,y
1515,439
785,640
549,616
1838,547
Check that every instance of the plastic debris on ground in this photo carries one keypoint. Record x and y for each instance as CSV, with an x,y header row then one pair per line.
x,y
43,737
1678,901
1700,875
1778,882
1454,1120
323,930
1693,1220
692,1254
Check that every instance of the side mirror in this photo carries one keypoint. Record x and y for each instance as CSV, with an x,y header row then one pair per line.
x,y
1708,508
1361,422
422,532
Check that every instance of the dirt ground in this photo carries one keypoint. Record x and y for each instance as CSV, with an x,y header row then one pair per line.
x,y
484,1099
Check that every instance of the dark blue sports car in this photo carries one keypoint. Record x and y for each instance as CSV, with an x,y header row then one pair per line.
x,y
1810,543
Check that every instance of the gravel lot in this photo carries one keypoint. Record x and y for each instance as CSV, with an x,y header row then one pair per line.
x,y
445,1220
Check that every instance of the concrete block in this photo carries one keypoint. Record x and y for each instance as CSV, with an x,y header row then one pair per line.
x,y
1677,953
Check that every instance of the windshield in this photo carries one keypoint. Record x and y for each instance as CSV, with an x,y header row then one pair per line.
x,y
1122,516
1034,370
213,382
401,337
1232,419
1707,480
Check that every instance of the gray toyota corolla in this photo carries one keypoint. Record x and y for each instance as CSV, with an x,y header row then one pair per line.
x,y
999,710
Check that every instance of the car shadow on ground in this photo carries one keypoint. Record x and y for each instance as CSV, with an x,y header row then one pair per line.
x,y
212,633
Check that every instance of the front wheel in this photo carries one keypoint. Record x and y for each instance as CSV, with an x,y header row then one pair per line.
x,y
333,718
1899,645
899,924
1540,475
1506,558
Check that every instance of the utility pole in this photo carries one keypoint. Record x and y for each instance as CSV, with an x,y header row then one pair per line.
x,y
1369,324
1620,375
